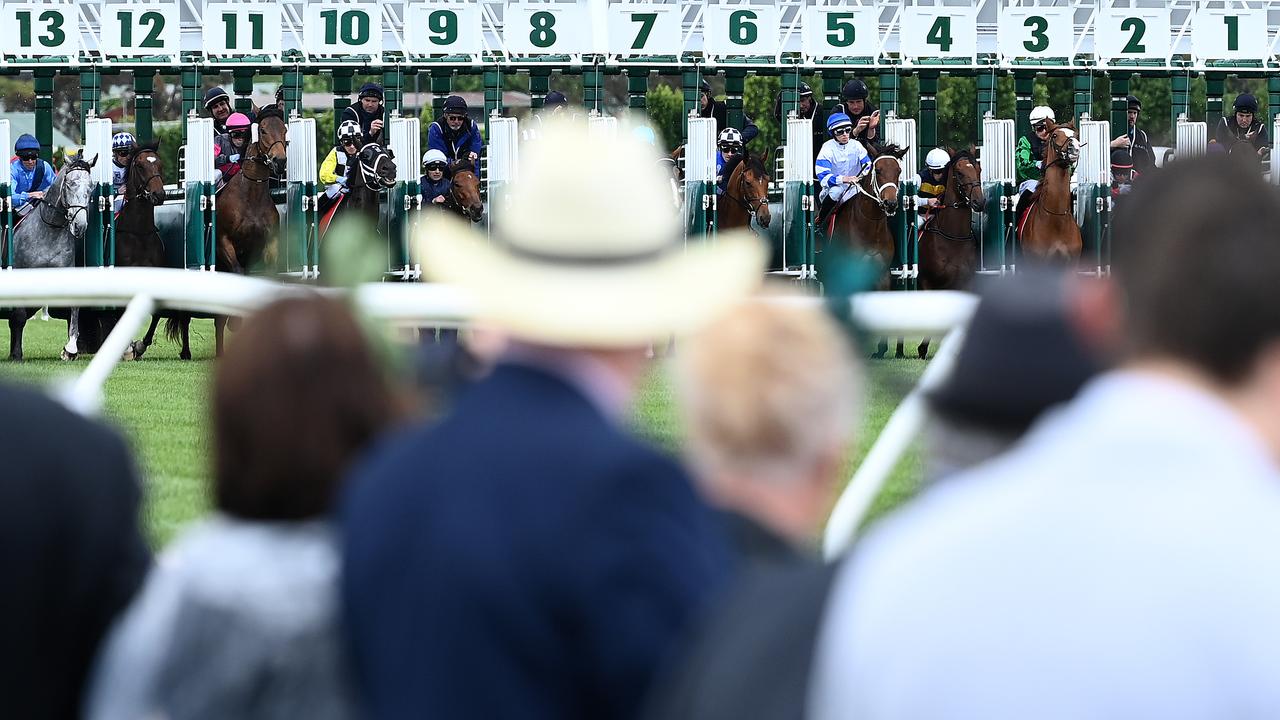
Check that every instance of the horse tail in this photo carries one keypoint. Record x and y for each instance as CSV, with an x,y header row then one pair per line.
x,y
173,329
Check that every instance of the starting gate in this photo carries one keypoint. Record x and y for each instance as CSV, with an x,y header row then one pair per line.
x,y
700,176
301,221
6,204
602,125
504,160
99,237
1093,192
905,225
198,185
797,199
1192,139
1275,151
406,145
998,173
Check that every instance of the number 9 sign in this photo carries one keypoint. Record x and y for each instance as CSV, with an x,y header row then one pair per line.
x,y
436,29
1029,31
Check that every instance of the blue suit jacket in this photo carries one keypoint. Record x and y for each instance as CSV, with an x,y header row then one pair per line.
x,y
523,558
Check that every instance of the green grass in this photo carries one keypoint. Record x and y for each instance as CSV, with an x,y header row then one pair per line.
x,y
159,404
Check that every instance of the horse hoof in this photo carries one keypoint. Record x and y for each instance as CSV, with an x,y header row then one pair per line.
x,y
69,356
899,355
877,355
184,356
924,354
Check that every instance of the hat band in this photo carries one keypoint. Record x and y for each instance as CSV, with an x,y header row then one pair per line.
x,y
597,261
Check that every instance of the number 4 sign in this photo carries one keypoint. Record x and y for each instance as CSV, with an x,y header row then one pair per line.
x,y
939,31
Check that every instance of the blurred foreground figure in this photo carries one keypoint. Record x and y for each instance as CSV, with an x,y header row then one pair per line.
x,y
770,396
1022,355
239,618
525,557
73,553
1119,562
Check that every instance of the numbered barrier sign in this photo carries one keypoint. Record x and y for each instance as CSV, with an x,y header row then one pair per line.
x,y
1236,34
841,31
347,29
645,29
939,31
242,29
547,29
137,29
435,29
1036,32
740,29
38,29
1123,33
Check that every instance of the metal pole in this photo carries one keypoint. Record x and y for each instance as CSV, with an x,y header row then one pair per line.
x,y
84,395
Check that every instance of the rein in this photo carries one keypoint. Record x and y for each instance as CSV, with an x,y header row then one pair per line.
x,y
878,196
60,205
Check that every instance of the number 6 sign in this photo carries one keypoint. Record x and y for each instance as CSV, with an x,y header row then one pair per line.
x,y
740,29
939,31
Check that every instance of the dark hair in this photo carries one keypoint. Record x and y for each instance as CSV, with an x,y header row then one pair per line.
x,y
297,396
1196,258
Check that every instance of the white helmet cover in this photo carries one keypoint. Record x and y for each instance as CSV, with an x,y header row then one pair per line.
x,y
937,159
349,129
730,136
1040,113
434,155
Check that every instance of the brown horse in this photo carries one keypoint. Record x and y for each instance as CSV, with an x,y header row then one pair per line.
x,y
138,243
746,195
1049,231
948,246
464,191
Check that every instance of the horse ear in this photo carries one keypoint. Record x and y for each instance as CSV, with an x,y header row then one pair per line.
x,y
902,152
94,161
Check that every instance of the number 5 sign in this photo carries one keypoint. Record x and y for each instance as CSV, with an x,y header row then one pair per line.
x,y
939,31
1028,31
740,29
1131,32
841,31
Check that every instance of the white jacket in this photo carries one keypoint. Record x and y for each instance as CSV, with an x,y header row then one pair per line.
x,y
835,160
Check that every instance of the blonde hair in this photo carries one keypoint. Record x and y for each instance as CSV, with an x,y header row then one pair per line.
x,y
767,390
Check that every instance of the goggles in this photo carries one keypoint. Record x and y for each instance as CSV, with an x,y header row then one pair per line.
x,y
730,147
842,130
120,151
1039,127
28,155
455,117
435,166
238,133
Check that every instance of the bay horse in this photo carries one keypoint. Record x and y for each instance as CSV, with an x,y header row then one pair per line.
x,y
464,191
948,245
1048,229
746,195
47,237
247,222
138,242
371,171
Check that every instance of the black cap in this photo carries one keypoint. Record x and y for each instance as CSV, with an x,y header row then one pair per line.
x,y
1246,102
705,86
1121,159
454,102
213,95
855,89
1133,103
804,89
555,97
370,90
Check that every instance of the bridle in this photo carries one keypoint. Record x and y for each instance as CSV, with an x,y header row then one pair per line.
x,y
888,208
750,203
132,193
371,171
456,205
1060,151
260,154
964,189
58,204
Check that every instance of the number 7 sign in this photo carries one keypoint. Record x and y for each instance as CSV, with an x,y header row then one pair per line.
x,y
636,29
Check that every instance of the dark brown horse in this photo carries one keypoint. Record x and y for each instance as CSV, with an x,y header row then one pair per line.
x,y
1049,231
372,170
138,243
746,195
464,191
948,245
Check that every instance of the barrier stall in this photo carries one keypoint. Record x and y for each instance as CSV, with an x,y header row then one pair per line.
x,y
1093,193
1192,138
504,162
300,228
404,197
98,246
700,176
1274,167
602,125
198,186
905,225
798,251
998,143
6,201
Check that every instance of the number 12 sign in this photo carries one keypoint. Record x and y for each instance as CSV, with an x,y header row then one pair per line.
x,y
939,31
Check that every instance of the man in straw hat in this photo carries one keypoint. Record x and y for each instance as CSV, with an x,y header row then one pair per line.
x,y
525,556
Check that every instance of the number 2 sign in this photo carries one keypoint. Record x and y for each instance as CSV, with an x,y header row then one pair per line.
x,y
1132,33
939,31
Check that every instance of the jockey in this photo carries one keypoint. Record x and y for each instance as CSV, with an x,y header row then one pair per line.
x,y
554,105
456,134
930,183
333,171
710,107
218,103
366,112
1029,155
1244,127
1121,172
229,147
434,185
730,153
280,101
839,165
122,144
864,116
31,175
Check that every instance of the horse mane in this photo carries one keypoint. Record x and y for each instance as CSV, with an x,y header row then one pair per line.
x,y
889,149
459,165
269,111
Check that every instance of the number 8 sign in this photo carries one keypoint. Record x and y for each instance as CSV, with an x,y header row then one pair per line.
x,y
546,28
929,32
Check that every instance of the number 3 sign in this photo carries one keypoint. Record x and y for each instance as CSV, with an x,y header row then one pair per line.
x,y
1029,31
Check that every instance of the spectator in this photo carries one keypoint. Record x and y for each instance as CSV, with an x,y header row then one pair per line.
x,y
525,557
240,620
367,111
708,106
1117,562
74,555
1022,355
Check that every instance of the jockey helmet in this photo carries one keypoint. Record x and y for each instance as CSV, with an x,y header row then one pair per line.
x,y
937,159
370,90
214,95
1040,113
730,138
855,89
434,157
455,105
1133,103
1121,159
349,130
1246,103
838,120
122,141
804,90
555,97
26,142
645,134
238,121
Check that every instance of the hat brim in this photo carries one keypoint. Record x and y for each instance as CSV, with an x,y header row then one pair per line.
x,y
593,305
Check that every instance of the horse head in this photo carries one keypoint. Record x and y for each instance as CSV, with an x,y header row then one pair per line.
x,y
1062,147
377,166
884,176
464,190
144,175
751,188
72,191
271,145
964,174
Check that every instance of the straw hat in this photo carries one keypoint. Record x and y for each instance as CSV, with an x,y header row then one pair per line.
x,y
588,251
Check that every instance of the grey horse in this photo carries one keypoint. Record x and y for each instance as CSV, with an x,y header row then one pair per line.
x,y
47,238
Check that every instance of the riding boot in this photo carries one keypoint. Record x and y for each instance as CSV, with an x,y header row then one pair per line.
x,y
824,211
1023,201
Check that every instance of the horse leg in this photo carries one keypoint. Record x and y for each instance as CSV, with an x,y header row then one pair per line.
x,y
17,321
899,354
138,347
184,325
228,252
923,350
72,348
881,349
219,326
